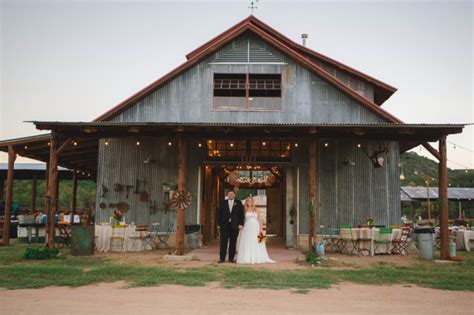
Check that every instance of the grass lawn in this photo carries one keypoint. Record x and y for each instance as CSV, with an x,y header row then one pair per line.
x,y
17,273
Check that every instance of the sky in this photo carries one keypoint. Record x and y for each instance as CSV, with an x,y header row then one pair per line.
x,y
73,60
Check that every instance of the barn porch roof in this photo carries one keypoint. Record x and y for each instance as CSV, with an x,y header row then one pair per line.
x,y
83,155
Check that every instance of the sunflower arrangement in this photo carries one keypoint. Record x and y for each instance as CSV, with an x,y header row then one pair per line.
x,y
261,238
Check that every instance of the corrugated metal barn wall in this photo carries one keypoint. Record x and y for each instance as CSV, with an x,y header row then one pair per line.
x,y
306,98
349,186
122,161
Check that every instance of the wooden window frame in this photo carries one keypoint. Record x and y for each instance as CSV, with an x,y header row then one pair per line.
x,y
248,90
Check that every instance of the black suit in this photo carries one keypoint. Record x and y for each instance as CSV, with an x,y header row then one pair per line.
x,y
229,222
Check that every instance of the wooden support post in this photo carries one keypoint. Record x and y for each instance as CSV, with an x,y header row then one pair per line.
x,y
74,193
9,196
52,193
33,193
180,217
443,198
312,192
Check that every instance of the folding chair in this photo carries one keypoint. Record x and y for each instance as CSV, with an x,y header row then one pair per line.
x,y
64,237
384,239
141,238
401,243
330,239
161,238
346,237
117,240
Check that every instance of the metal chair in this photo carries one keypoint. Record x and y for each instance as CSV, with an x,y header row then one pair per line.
x,y
330,238
64,236
384,239
160,238
117,240
401,243
346,237
141,238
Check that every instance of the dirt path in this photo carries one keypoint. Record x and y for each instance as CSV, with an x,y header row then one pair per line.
x,y
170,299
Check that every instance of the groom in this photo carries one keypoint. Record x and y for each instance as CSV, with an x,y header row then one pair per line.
x,y
230,217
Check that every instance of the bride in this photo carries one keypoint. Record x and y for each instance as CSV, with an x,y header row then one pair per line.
x,y
250,251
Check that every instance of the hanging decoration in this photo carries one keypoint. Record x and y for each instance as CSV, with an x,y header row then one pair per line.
x,y
181,199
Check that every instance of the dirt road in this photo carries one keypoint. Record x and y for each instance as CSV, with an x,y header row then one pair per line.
x,y
347,298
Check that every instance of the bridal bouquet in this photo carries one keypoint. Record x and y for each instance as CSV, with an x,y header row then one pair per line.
x,y
261,238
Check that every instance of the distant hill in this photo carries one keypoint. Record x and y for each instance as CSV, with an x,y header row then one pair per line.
x,y
412,162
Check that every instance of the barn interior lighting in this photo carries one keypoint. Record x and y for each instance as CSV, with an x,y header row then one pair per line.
x,y
106,142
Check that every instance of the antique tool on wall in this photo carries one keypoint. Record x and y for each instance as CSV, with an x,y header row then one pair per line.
x,y
137,183
181,199
128,190
104,191
117,187
144,194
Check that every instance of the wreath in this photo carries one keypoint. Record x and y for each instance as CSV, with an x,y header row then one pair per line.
x,y
181,199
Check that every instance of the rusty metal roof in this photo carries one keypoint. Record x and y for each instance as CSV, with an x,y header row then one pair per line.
x,y
454,193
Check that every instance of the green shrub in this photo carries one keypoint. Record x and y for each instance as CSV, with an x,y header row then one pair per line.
x,y
41,253
312,258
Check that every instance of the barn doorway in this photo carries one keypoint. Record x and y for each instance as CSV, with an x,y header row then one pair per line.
x,y
265,183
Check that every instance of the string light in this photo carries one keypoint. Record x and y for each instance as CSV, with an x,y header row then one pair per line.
x,y
169,143
26,147
137,143
359,145
106,142
75,143
326,144
199,145
296,144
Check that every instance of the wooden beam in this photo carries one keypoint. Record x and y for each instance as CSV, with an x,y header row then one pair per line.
x,y
52,193
9,196
64,146
432,150
312,192
74,193
33,193
443,199
180,216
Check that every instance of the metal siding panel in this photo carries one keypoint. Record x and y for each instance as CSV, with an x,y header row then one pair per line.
x,y
327,214
345,175
306,98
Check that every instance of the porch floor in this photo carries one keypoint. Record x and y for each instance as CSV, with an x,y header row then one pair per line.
x,y
276,248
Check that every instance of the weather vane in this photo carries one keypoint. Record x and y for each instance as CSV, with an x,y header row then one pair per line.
x,y
253,5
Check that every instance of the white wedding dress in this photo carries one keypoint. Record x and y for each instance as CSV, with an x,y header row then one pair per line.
x,y
250,251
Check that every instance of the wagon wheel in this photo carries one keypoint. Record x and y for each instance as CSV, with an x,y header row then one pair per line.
x,y
181,199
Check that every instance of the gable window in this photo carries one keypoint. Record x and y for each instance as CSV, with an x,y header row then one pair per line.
x,y
247,92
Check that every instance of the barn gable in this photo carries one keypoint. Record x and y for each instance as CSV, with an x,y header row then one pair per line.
x,y
263,56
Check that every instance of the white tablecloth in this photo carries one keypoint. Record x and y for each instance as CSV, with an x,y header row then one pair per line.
x,y
464,239
103,234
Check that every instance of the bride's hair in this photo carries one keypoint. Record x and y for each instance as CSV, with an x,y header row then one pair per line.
x,y
253,203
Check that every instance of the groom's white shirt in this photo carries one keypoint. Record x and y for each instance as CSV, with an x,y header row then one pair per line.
x,y
231,204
